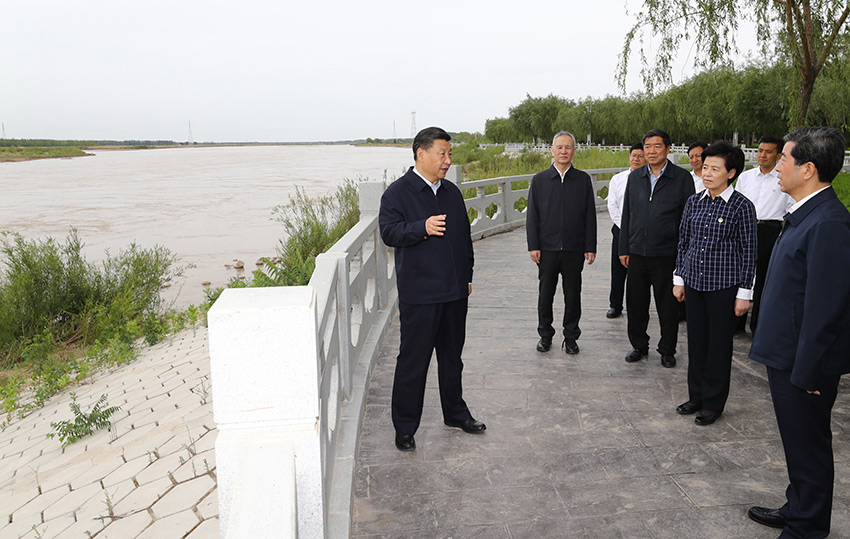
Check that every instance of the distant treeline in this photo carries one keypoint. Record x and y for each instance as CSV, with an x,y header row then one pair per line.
x,y
48,143
751,101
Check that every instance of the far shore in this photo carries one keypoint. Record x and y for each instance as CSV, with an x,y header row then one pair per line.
x,y
16,154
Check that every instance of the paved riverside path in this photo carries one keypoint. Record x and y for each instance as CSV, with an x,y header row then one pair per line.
x,y
576,446
152,477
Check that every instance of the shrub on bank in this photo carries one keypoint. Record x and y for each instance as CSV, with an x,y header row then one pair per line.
x,y
62,318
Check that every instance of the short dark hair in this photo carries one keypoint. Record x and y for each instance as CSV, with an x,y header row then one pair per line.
x,y
697,144
767,139
822,146
636,146
425,138
733,157
657,133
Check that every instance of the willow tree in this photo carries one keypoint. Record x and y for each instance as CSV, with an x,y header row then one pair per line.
x,y
806,29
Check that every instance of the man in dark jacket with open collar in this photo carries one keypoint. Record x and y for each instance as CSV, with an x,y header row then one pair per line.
x,y
803,334
423,217
649,236
560,227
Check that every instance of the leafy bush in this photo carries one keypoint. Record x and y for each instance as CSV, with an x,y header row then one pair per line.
x,y
48,288
84,423
312,226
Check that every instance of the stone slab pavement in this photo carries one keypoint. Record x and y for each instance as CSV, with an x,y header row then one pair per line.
x,y
576,446
152,476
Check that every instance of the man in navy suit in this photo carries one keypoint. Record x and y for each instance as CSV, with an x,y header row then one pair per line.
x,y
423,217
803,335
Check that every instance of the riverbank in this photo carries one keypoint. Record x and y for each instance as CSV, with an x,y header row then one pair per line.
x,y
16,154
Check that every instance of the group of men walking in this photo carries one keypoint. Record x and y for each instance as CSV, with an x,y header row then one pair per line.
x,y
776,237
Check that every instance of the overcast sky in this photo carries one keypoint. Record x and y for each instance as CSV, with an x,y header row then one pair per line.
x,y
285,70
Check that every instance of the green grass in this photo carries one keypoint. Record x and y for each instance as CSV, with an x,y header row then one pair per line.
x,y
841,184
28,153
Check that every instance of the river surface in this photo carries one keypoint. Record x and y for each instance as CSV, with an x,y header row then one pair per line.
x,y
209,206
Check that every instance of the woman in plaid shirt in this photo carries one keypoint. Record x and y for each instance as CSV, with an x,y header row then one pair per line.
x,y
715,269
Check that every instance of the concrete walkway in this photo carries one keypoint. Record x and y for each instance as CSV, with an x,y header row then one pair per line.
x,y
576,446
153,476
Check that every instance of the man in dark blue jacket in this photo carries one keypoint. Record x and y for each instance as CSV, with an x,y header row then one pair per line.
x,y
649,239
423,217
560,227
803,334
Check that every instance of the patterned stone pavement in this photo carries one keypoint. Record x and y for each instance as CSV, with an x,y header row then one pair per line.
x,y
153,476
576,446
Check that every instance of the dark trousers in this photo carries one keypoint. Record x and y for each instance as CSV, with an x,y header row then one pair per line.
x,y
803,421
618,273
424,328
654,272
711,326
766,235
567,264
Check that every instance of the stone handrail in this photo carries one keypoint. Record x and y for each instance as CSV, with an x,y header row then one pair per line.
x,y
290,367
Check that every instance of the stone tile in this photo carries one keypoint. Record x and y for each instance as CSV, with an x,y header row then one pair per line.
x,y
128,526
735,487
196,466
70,502
489,506
391,479
208,507
657,460
730,522
208,529
38,504
176,525
128,470
183,497
617,496
143,497
403,513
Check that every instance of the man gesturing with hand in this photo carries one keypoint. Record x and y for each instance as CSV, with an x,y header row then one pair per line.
x,y
423,217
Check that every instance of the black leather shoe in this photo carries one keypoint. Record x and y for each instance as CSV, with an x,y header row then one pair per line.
x,y
687,408
635,355
570,346
768,517
706,418
470,425
544,344
613,312
405,442
668,361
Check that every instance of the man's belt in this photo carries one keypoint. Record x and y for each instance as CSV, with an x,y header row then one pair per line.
x,y
771,222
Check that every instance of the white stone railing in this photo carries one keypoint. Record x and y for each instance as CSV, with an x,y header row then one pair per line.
x,y
290,367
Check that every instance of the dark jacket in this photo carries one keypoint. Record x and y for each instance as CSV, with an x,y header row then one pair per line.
x,y
561,216
429,269
650,223
804,320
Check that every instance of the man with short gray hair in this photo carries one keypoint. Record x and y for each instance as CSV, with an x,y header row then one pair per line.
x,y
561,232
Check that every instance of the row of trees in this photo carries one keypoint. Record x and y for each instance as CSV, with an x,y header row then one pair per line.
x,y
752,101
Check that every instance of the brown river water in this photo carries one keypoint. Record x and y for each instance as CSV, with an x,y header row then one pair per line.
x,y
207,205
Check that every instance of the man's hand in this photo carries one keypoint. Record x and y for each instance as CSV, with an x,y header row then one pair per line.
x,y
816,392
470,289
741,306
435,225
679,292
624,260
535,256
590,257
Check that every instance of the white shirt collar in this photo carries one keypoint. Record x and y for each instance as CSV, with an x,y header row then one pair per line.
x,y
799,203
433,186
725,195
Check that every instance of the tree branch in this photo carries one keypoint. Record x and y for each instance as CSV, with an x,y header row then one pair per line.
x,y
835,30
